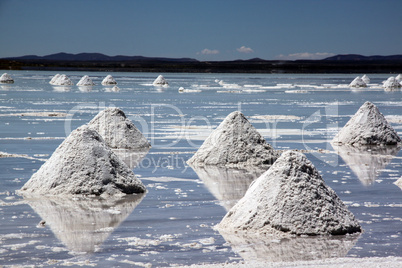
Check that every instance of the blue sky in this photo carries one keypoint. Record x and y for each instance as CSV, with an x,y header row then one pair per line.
x,y
205,30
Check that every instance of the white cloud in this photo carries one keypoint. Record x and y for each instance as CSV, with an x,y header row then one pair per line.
x,y
207,51
305,56
244,49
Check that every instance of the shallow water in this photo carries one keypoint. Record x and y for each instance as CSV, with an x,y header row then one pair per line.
x,y
172,223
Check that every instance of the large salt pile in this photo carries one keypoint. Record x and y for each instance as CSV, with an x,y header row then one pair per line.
x,y
366,79
367,127
62,80
160,81
357,82
85,81
117,130
391,83
83,164
6,79
290,198
109,80
234,143
54,79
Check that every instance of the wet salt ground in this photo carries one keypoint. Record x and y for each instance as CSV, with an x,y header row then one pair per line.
x,y
173,223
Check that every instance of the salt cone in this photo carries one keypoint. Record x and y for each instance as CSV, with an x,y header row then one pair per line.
x,y
234,143
83,164
367,127
117,130
290,198
160,81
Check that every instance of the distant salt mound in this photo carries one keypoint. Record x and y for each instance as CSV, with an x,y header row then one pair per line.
x,y
366,79
392,83
399,183
160,81
85,81
6,79
367,127
290,198
83,164
115,89
117,130
63,80
399,77
357,82
54,79
234,143
109,80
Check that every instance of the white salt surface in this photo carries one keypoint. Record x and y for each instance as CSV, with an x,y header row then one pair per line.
x,y
268,207
117,130
367,127
109,80
83,164
85,81
235,142
183,90
6,78
160,81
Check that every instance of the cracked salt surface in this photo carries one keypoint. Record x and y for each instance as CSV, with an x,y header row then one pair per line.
x,y
173,224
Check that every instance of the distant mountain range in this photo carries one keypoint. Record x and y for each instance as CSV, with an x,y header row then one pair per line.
x,y
97,57
356,57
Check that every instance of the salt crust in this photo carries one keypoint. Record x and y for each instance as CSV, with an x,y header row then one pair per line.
x,y
367,127
83,164
358,82
234,143
160,80
6,78
117,130
85,81
290,198
109,80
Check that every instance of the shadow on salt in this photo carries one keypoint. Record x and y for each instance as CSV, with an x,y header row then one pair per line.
x,y
366,162
83,224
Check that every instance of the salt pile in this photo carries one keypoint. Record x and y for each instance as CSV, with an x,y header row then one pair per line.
x,y
399,183
109,80
117,130
367,127
399,78
391,83
54,79
290,198
83,164
234,143
85,81
366,79
160,81
6,78
358,82
62,80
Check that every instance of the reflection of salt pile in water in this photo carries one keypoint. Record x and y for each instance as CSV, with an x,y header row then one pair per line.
x,y
366,162
6,79
234,143
357,82
367,127
391,83
265,249
109,80
83,164
117,130
61,80
366,79
85,81
290,198
83,224
228,185
160,81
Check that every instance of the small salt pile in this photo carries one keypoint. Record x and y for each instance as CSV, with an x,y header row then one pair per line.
x,y
399,183
357,82
63,80
115,89
85,81
54,79
391,83
399,78
160,81
290,198
83,164
6,79
235,143
367,127
109,80
366,79
117,130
